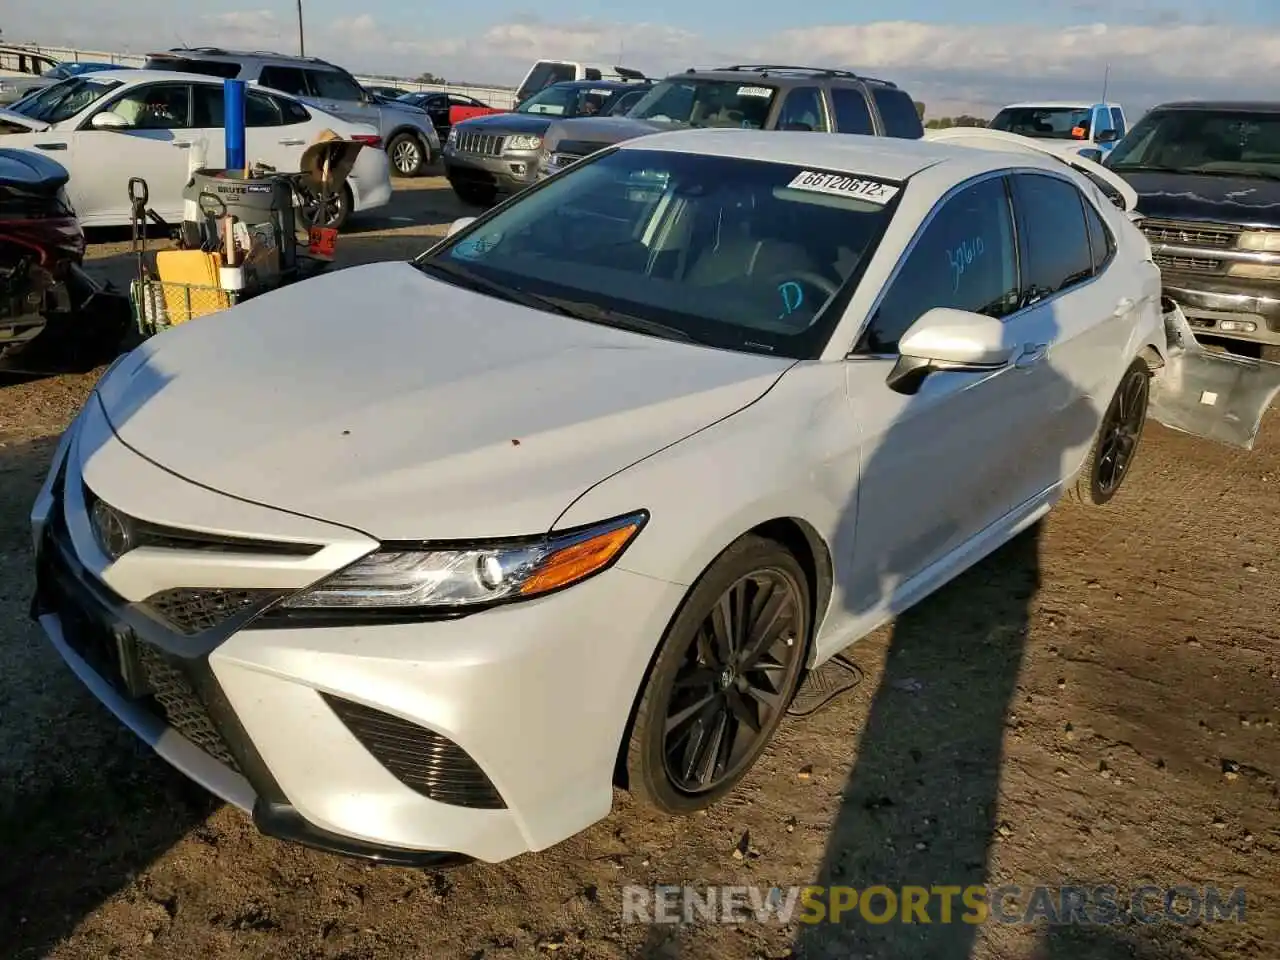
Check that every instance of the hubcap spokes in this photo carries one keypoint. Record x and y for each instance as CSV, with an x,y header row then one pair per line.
x,y
1120,433
406,157
730,688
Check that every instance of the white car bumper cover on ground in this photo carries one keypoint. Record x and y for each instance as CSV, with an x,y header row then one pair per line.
x,y
549,754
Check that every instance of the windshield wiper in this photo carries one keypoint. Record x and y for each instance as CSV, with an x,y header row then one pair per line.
x,y
473,281
606,316
1146,168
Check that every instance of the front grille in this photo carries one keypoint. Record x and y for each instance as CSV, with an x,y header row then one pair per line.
x,y
180,706
421,759
1189,234
1187,264
191,610
480,144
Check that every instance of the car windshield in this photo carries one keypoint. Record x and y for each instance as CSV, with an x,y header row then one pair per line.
x,y
1044,123
64,100
707,103
568,100
733,253
1225,142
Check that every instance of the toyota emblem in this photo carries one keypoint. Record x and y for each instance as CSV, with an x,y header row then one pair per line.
x,y
112,530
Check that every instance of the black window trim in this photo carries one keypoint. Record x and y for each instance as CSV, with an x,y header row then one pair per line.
x,y
1113,246
1017,213
828,117
854,353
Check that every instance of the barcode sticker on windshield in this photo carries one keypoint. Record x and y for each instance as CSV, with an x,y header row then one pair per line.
x,y
840,185
755,92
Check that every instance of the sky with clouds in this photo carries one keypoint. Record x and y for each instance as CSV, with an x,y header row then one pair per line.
x,y
956,56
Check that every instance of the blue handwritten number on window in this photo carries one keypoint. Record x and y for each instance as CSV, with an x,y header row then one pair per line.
x,y
961,257
792,296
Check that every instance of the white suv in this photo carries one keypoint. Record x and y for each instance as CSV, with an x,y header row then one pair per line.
x,y
407,132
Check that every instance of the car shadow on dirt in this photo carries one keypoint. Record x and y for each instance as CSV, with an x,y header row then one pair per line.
x,y
84,806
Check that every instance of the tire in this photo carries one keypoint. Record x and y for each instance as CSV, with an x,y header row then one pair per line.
x,y
475,194
339,212
686,672
409,155
1116,443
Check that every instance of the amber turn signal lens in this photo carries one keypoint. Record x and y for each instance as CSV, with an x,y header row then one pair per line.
x,y
575,561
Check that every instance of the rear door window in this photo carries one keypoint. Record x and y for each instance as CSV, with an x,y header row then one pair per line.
x,y
1101,244
852,113
1054,233
332,85
285,79
803,110
898,113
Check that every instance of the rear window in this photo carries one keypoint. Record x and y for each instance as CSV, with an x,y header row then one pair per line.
x,y
332,85
1043,123
898,112
207,68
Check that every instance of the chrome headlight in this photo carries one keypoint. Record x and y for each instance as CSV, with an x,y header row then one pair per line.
x,y
398,578
523,141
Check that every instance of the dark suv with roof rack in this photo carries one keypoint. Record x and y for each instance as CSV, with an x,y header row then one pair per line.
x,y
751,96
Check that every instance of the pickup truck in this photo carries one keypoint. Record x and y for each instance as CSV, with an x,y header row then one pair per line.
x,y
1099,124
1207,175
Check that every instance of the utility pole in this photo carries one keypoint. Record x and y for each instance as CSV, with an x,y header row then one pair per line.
x,y
302,46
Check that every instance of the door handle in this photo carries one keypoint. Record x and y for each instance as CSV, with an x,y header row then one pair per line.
x,y
1124,305
181,144
292,142
1032,353
51,146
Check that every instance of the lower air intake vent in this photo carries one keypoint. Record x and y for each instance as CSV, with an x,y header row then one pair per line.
x,y
191,610
421,759
180,705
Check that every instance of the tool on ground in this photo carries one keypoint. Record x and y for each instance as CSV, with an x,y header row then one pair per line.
x,y
214,211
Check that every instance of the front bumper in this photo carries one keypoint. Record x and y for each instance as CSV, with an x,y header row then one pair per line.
x,y
480,737
1208,303
509,173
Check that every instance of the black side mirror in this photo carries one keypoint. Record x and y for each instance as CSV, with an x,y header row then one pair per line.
x,y
1107,136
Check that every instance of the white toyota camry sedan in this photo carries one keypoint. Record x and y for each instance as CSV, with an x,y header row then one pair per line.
x,y
110,126
419,559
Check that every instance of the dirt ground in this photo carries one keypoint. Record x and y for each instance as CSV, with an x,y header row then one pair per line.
x,y
1098,703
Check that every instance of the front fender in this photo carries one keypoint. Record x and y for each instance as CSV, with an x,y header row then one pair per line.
x,y
791,454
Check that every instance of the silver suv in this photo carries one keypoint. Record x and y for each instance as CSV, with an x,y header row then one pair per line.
x,y
407,133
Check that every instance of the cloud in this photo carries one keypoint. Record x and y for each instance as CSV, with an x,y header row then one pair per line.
x,y
950,67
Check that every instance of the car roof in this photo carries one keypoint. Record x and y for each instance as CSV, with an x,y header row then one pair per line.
x,y
887,158
222,55
607,84
1052,105
778,75
1243,106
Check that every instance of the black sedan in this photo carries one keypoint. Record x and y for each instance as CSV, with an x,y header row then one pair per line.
x,y
438,105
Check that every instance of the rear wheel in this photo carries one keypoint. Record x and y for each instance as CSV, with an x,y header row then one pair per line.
x,y
337,207
1117,440
722,680
408,154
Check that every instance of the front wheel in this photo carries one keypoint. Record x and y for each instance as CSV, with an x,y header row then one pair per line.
x,y
1117,440
722,680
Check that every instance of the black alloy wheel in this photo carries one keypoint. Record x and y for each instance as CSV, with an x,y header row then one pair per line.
x,y
1118,437
723,679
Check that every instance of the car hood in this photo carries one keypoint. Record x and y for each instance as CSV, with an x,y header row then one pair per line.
x,y
1187,196
400,106
603,131
22,120
407,408
499,123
